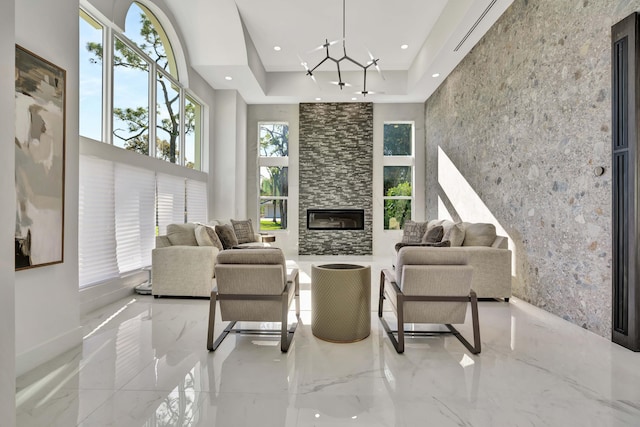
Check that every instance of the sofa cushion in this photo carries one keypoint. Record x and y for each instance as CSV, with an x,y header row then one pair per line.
x,y
433,234
413,231
479,234
442,244
207,236
454,232
244,230
182,234
227,235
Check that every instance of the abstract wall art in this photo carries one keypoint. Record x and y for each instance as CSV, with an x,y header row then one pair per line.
x,y
40,157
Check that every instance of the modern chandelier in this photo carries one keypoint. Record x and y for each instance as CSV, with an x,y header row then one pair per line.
x,y
373,61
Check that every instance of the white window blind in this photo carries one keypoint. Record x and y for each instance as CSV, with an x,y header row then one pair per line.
x,y
96,226
170,200
134,216
196,201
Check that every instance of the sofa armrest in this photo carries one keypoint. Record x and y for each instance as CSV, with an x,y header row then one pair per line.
x,y
501,242
183,270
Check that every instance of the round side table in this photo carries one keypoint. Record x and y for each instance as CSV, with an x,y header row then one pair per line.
x,y
341,302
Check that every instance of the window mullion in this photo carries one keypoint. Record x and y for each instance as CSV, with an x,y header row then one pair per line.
x,y
182,127
153,107
107,85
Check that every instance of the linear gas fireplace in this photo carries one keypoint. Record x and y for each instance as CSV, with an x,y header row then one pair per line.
x,y
335,219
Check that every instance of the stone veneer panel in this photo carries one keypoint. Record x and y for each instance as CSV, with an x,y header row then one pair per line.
x,y
336,172
525,118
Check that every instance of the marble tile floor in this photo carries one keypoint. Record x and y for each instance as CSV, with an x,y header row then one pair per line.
x,y
143,362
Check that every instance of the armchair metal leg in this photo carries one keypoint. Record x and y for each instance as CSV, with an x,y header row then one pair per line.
x,y
476,347
381,299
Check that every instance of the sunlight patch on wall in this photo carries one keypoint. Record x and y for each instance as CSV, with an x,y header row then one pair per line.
x,y
466,203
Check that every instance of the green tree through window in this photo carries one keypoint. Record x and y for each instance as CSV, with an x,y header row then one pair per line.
x,y
274,177
133,128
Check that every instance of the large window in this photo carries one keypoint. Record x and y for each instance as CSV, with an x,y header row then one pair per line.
x,y
273,175
398,169
120,209
143,70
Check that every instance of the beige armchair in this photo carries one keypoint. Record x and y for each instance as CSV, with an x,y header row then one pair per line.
x,y
253,285
429,286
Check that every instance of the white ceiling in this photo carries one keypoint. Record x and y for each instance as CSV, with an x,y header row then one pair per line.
x,y
219,47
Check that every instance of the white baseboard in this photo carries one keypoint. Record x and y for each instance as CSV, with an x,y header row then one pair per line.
x,y
95,297
47,350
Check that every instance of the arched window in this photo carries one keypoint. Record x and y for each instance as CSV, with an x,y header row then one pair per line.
x,y
144,72
143,28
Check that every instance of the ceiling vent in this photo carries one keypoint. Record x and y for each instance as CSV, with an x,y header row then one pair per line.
x,y
475,24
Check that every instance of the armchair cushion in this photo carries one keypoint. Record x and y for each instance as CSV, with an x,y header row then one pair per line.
x,y
182,234
243,230
227,235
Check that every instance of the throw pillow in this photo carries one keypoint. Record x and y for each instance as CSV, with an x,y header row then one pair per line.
x,y
243,230
454,232
207,236
182,234
227,235
433,234
413,231
479,234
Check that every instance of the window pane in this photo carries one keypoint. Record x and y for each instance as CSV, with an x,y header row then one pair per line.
x,y
274,139
273,214
90,77
193,129
397,139
130,99
396,212
167,120
274,181
144,29
397,180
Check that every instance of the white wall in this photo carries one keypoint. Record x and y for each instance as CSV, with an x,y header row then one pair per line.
x,y
229,153
7,217
385,240
285,239
47,319
47,301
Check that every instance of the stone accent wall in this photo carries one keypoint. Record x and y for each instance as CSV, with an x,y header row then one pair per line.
x,y
526,118
336,172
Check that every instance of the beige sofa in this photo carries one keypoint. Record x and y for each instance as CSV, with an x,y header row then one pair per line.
x,y
182,264
486,252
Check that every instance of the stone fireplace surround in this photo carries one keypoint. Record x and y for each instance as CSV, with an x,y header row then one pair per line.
x,y
336,172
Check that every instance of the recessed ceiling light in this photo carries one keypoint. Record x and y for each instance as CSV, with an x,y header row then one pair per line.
x,y
228,78
404,46
434,75
277,48
354,99
318,99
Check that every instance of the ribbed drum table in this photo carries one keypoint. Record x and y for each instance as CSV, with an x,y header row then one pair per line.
x,y
341,302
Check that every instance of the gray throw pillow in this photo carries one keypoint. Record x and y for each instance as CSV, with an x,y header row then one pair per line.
x,y
433,234
182,234
243,230
227,235
413,231
453,232
207,236
479,234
